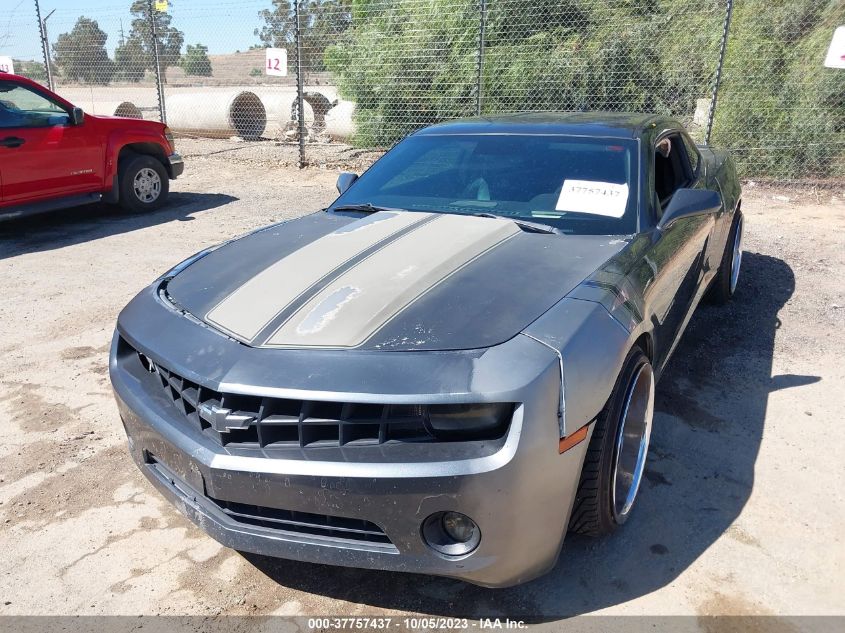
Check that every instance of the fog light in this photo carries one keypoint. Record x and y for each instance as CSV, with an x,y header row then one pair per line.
x,y
458,526
451,533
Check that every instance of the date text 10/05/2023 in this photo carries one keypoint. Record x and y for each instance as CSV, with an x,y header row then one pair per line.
x,y
413,623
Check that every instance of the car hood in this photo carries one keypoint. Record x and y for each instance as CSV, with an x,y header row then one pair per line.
x,y
388,281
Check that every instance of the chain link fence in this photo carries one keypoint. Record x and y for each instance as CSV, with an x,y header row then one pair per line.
x,y
366,73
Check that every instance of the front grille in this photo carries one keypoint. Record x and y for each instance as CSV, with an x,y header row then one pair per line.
x,y
240,421
304,522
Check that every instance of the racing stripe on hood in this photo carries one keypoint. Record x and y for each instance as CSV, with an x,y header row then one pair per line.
x,y
361,300
254,305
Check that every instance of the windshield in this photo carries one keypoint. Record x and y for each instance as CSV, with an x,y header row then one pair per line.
x,y
578,185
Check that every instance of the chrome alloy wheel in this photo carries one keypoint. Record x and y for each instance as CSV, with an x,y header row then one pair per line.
x,y
736,257
147,185
632,442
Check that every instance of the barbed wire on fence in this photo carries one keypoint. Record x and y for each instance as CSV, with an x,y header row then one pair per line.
x,y
373,71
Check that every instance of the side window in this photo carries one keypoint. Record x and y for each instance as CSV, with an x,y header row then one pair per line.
x,y
692,154
22,107
671,170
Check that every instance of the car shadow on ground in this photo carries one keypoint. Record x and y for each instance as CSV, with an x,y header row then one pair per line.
x,y
711,409
91,222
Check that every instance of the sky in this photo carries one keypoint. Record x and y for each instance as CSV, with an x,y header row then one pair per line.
x,y
223,25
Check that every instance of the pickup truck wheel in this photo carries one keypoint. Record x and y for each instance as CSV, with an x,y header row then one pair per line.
x,y
615,461
143,183
723,287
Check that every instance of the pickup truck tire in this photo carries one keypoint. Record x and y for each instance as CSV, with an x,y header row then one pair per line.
x,y
143,183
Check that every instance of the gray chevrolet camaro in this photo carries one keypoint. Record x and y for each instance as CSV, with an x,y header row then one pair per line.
x,y
452,365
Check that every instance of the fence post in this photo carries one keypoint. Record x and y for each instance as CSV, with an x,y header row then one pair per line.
x,y
300,106
45,44
717,80
482,9
162,113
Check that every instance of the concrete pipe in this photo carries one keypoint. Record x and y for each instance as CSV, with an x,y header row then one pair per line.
x,y
324,115
128,110
217,114
339,123
125,109
279,104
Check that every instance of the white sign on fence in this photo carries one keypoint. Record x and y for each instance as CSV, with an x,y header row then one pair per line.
x,y
277,62
6,65
836,52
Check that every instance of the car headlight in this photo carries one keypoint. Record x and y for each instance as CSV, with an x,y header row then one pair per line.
x,y
468,421
168,134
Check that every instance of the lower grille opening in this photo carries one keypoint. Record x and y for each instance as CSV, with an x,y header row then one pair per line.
x,y
291,521
304,522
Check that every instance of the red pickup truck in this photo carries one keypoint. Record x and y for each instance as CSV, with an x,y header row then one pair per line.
x,y
54,156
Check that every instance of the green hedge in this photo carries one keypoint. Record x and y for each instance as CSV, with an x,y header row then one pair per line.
x,y
411,63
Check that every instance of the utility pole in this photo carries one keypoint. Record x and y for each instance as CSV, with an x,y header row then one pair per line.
x,y
45,44
162,113
479,62
300,83
726,28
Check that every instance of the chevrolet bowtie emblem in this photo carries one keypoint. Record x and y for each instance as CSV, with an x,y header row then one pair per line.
x,y
223,420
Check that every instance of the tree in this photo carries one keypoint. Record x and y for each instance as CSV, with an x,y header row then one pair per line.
x,y
780,112
195,61
138,50
408,63
31,69
321,21
81,54
131,60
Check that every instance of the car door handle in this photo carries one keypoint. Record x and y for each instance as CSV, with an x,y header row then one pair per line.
x,y
12,141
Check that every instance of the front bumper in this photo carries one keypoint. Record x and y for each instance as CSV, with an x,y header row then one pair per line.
x,y
175,165
519,494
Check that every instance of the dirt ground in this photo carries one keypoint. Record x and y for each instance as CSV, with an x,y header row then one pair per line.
x,y
741,513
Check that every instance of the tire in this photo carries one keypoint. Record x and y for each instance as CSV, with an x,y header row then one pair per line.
x,y
143,183
723,286
596,510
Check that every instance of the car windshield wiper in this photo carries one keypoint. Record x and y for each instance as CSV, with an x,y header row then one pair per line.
x,y
535,227
364,208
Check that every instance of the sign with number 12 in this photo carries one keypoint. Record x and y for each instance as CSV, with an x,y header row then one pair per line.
x,y
277,62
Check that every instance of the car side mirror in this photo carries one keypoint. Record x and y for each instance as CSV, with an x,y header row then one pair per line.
x,y
687,203
345,180
77,116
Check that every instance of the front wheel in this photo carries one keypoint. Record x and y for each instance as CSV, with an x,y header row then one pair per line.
x,y
143,183
615,460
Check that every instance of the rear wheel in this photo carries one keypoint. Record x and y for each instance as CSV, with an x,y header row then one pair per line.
x,y
615,461
143,183
724,283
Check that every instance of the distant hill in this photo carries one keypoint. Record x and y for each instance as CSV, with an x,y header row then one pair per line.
x,y
243,69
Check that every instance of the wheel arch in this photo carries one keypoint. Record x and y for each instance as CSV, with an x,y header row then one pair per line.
x,y
150,149
592,346
646,343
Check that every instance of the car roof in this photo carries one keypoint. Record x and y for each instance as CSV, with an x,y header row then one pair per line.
x,y
597,124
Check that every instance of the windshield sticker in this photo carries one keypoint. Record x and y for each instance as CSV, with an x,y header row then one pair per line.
x,y
597,198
